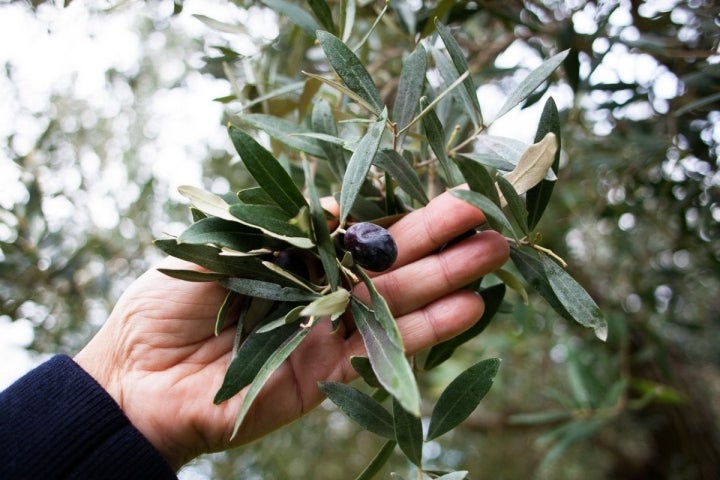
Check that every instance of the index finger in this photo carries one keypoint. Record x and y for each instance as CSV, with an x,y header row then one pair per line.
x,y
425,230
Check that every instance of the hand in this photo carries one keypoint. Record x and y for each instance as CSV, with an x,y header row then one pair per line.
x,y
159,359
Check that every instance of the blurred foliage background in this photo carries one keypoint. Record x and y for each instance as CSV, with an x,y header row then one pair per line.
x,y
89,163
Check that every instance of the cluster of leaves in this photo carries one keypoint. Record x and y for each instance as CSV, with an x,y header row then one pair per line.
x,y
276,250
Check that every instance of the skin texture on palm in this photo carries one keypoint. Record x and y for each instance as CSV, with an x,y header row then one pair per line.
x,y
158,356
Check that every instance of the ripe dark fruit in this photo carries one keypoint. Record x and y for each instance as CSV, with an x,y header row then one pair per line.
x,y
372,246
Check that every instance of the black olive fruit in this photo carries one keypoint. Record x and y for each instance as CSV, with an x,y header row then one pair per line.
x,y
372,246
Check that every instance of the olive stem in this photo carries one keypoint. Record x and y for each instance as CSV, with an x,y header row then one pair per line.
x,y
541,249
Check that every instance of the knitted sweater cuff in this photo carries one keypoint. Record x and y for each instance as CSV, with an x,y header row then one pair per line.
x,y
57,422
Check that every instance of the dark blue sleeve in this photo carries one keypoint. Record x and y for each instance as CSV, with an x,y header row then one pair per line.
x,y
57,422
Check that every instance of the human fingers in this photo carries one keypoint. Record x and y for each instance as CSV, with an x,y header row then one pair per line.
x,y
423,231
416,284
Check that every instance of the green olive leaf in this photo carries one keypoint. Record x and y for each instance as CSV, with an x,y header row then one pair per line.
x,y
323,13
207,202
435,133
378,461
450,75
408,433
363,367
270,365
249,359
461,397
403,173
267,290
461,66
410,89
538,197
350,69
531,82
562,292
192,275
361,408
267,172
224,233
272,221
388,360
488,207
323,122
514,202
284,131
295,14
359,165
492,297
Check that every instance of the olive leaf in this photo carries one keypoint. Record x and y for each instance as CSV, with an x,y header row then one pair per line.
x,y
388,360
451,75
567,297
435,133
461,397
514,202
403,173
363,367
267,171
378,461
224,233
272,221
192,275
487,206
361,408
533,164
538,197
381,309
492,296
249,359
285,131
207,202
270,365
350,69
332,304
326,248
224,310
323,13
286,317
458,59
295,14
410,88
408,432
359,165
323,123
531,82
267,290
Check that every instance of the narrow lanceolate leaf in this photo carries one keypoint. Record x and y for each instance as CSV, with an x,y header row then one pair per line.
x,y
492,296
267,172
224,310
286,317
209,257
462,396
272,221
575,298
363,368
538,197
192,275
378,462
224,233
381,310
323,13
488,207
459,475
284,131
435,133
410,88
206,202
388,360
272,363
361,408
326,247
515,203
533,165
478,178
249,359
568,298
332,304
403,173
458,59
450,76
359,165
323,122
408,433
532,81
267,290
349,68
295,14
